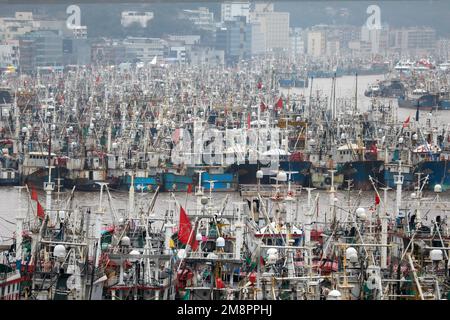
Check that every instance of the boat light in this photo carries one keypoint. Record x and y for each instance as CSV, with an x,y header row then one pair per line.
x,y
438,188
351,254
220,242
281,176
334,295
59,251
135,255
259,174
436,255
125,241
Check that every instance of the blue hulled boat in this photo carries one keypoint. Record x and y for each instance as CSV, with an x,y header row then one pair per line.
x,y
359,172
145,184
391,170
438,173
302,177
418,97
219,181
176,182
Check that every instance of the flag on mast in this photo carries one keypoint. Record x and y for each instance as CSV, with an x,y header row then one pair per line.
x,y
377,199
40,211
185,230
279,104
405,124
34,195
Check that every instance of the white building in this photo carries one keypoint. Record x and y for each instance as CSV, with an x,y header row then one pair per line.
x,y
316,43
188,40
131,17
258,40
263,7
9,54
332,47
178,53
443,48
53,25
360,48
201,18
13,27
144,49
297,42
414,40
275,27
231,10
206,56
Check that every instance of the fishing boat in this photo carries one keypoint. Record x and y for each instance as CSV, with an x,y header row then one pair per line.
x,y
388,88
292,80
358,169
177,182
418,98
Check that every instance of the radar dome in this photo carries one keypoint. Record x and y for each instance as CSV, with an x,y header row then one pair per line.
x,y
220,242
436,255
259,174
334,295
59,251
125,241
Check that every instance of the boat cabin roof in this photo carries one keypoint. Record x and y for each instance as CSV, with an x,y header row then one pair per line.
x,y
39,153
350,146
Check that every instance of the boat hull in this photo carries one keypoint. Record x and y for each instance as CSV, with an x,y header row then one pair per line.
x,y
143,184
438,172
426,102
321,179
302,167
296,83
40,176
359,172
444,105
222,181
408,179
175,182
88,185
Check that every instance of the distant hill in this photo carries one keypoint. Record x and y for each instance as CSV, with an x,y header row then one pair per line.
x,y
432,13
104,19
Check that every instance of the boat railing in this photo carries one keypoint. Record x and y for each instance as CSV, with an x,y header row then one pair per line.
x,y
229,214
7,275
208,256
268,190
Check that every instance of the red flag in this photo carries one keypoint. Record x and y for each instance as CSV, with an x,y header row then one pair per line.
x,y
189,188
34,195
262,107
185,230
377,199
405,124
40,211
219,283
248,120
279,104
374,148
261,261
176,136
259,85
